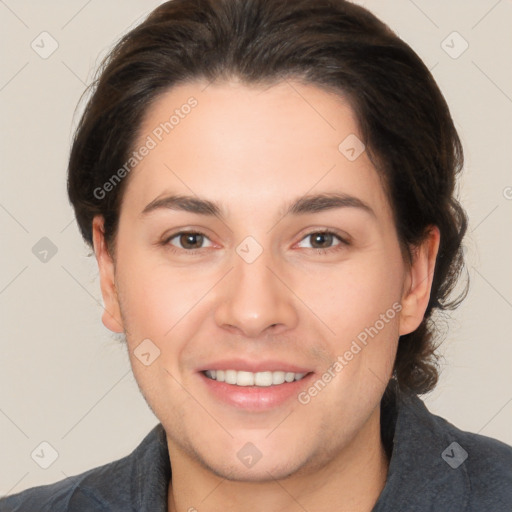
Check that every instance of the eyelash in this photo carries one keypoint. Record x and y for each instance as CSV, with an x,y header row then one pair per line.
x,y
192,252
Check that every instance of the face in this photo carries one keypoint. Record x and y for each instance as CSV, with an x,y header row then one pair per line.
x,y
283,264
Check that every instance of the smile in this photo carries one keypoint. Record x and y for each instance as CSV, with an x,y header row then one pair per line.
x,y
260,379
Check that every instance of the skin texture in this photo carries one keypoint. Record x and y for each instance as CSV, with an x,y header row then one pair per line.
x,y
255,150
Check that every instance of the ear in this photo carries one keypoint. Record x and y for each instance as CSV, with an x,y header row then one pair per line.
x,y
111,313
418,283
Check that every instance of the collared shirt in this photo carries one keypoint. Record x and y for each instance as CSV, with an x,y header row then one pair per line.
x,y
434,467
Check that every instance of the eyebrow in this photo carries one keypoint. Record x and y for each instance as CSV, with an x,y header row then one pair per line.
x,y
301,206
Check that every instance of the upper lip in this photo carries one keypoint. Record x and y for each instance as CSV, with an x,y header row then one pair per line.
x,y
269,365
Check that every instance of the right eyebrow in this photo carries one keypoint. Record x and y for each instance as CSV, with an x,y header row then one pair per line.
x,y
184,203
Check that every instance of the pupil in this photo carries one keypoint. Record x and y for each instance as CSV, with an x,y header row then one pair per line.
x,y
190,239
325,237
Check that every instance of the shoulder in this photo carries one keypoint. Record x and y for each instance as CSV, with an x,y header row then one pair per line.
x,y
487,463
118,485
480,465
479,454
82,492
436,466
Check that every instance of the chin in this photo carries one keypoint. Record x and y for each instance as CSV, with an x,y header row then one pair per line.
x,y
260,472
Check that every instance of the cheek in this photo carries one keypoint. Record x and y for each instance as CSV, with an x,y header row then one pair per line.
x,y
167,306
356,294
360,304
157,305
155,297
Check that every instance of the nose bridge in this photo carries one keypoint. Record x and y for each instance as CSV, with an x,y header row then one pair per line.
x,y
255,298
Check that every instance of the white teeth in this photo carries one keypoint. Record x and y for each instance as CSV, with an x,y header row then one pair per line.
x,y
244,379
278,377
289,377
230,377
262,379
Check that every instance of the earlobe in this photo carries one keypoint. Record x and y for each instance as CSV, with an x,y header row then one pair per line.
x,y
111,313
418,283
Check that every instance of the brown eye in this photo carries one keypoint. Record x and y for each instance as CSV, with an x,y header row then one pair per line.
x,y
321,240
187,240
191,240
324,241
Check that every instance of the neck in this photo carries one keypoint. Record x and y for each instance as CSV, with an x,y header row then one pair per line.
x,y
351,481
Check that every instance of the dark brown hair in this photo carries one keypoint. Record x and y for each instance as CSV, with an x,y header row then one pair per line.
x,y
333,44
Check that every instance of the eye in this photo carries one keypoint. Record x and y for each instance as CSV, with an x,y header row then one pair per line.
x,y
324,240
187,240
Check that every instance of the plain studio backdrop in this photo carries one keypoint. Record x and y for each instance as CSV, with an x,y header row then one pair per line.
x,y
64,379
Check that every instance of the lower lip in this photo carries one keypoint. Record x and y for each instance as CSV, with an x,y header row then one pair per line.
x,y
255,398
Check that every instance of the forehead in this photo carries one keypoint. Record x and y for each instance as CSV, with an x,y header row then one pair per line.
x,y
246,146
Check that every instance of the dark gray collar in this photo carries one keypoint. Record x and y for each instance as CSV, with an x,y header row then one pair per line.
x,y
418,474
152,472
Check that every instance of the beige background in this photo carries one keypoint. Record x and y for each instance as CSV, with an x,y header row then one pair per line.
x,y
63,377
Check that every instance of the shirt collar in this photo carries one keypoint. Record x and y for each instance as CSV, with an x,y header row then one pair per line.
x,y
417,471
152,472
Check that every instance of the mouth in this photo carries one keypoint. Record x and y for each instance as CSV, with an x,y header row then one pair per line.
x,y
258,391
262,379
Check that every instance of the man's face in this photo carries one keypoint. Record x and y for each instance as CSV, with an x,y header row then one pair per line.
x,y
258,290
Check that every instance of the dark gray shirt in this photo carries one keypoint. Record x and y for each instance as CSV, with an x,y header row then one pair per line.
x,y
434,467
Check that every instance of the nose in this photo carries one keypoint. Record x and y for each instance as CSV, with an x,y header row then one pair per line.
x,y
256,300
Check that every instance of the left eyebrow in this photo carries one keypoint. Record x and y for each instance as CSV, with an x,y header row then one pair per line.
x,y
328,201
